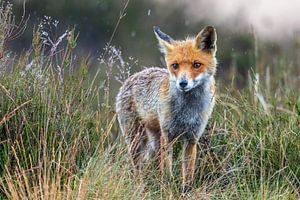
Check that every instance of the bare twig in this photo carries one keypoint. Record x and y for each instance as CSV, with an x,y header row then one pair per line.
x,y
122,14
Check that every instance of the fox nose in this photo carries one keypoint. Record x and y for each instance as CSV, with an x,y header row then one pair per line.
x,y
183,83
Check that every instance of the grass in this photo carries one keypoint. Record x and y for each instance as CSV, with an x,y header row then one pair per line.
x,y
59,137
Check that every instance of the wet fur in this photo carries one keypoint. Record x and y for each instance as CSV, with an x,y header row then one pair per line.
x,y
153,112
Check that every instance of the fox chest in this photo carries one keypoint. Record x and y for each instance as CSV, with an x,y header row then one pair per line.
x,y
187,116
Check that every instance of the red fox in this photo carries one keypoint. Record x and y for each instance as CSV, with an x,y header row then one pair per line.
x,y
157,106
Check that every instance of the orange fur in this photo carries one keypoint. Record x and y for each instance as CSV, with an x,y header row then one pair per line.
x,y
189,161
185,54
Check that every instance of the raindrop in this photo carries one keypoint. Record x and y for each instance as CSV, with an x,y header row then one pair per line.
x,y
187,22
133,33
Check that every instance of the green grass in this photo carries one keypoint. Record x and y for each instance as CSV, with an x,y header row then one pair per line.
x,y
59,137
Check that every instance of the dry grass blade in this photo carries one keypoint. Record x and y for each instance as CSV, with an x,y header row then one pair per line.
x,y
9,29
13,112
107,131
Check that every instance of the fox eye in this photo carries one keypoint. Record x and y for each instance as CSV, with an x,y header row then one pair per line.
x,y
196,65
175,65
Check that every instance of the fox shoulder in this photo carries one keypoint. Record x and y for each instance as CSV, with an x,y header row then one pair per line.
x,y
165,90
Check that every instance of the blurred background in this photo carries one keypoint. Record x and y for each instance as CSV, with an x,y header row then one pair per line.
x,y
253,35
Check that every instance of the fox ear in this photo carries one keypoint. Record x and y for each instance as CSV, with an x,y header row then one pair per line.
x,y
206,39
165,41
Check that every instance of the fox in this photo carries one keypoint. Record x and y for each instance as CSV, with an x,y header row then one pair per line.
x,y
158,106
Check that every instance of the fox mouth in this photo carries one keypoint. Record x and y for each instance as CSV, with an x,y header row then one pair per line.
x,y
184,89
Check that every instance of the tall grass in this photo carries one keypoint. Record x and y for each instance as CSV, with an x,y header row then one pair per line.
x,y
59,138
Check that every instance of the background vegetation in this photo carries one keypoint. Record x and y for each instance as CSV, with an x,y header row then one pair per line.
x,y
58,132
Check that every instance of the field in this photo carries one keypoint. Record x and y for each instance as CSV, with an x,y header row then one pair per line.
x,y
59,138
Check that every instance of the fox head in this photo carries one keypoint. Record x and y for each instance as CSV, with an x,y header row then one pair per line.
x,y
191,62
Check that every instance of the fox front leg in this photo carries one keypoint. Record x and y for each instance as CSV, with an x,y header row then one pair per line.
x,y
169,152
166,155
188,164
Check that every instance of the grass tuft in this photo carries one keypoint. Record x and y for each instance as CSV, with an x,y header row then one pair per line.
x,y
59,137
